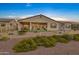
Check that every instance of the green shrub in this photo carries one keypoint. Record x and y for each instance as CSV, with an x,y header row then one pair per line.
x,y
21,47
56,36
25,29
21,32
4,38
35,31
76,34
52,40
38,40
25,45
49,42
32,44
68,37
45,41
76,37
63,40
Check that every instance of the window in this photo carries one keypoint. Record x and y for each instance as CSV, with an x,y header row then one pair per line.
x,y
68,26
2,25
10,24
53,25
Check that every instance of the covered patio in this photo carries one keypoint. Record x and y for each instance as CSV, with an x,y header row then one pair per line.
x,y
34,25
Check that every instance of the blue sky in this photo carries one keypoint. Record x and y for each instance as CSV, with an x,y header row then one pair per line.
x,y
61,10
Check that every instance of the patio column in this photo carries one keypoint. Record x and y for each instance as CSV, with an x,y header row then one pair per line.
x,y
19,27
30,26
47,26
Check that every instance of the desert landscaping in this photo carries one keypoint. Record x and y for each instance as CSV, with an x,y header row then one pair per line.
x,y
40,44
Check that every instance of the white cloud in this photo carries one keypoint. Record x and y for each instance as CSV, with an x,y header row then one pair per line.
x,y
60,19
64,19
25,16
11,16
28,4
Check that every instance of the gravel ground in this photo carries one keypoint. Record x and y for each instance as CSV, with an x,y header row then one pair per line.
x,y
71,48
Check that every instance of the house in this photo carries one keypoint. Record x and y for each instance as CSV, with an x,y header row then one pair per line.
x,y
7,25
38,23
42,22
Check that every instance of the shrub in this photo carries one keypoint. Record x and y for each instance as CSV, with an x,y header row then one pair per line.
x,y
25,29
62,40
56,36
38,40
32,44
76,37
21,32
45,41
25,45
35,31
68,37
4,37
52,40
21,47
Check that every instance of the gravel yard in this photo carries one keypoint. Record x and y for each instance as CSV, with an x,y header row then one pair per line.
x,y
70,48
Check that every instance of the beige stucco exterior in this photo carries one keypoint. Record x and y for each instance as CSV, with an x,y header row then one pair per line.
x,y
36,22
6,26
40,20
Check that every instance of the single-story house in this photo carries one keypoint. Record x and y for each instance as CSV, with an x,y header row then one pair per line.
x,y
38,22
42,22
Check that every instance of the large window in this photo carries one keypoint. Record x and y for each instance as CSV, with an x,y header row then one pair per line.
x,y
10,24
68,26
2,25
53,25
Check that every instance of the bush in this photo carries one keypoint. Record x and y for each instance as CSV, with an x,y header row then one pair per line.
x,y
45,41
21,32
49,42
32,43
56,36
61,39
68,37
25,29
4,37
52,40
76,37
25,45
38,40
21,47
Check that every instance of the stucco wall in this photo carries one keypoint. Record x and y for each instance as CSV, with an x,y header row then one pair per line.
x,y
7,26
42,19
